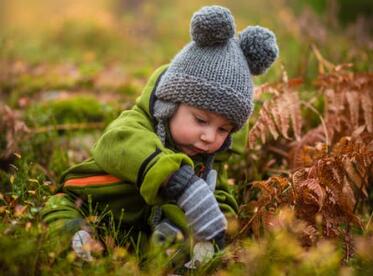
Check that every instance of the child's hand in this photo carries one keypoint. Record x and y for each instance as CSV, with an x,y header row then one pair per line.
x,y
202,252
194,196
83,245
211,179
166,232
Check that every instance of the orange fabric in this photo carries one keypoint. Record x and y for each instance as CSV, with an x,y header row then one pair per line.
x,y
92,180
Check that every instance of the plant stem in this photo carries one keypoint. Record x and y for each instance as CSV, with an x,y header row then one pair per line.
x,y
68,127
370,219
327,141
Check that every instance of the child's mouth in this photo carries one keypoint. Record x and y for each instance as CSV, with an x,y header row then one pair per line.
x,y
197,150
191,150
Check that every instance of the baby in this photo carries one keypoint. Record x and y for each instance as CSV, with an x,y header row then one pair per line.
x,y
154,168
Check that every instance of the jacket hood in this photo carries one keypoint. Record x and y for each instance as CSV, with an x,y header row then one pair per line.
x,y
147,98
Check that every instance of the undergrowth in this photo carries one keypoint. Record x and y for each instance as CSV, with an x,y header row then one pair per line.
x,y
304,185
304,189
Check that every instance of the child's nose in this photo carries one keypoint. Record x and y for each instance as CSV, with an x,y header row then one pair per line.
x,y
208,135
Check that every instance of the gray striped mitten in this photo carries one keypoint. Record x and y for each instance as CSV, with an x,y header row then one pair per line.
x,y
166,232
201,209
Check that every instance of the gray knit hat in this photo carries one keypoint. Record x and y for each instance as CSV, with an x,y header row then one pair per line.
x,y
214,71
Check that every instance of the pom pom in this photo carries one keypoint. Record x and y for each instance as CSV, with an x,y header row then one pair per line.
x,y
259,47
212,25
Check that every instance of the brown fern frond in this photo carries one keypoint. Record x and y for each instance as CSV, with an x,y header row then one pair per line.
x,y
269,120
309,236
299,176
278,113
303,153
348,100
310,193
357,159
326,192
295,113
353,101
353,177
306,155
273,193
367,106
284,115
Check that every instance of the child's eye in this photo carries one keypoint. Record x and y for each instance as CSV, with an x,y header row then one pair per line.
x,y
224,130
200,120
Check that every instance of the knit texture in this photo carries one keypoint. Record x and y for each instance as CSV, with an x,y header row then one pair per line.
x,y
259,47
196,198
211,179
212,25
166,232
163,110
202,211
213,72
179,181
213,78
177,185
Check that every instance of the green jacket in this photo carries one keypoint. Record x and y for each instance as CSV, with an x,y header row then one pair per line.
x,y
133,164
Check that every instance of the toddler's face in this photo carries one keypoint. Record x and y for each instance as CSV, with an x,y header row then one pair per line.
x,y
196,130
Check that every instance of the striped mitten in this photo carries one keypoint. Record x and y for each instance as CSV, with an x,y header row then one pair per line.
x,y
166,232
81,244
201,209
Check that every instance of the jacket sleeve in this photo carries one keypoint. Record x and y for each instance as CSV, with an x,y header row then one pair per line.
x,y
63,218
61,212
131,150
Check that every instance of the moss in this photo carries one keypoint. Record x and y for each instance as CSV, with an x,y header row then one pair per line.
x,y
59,161
78,109
129,89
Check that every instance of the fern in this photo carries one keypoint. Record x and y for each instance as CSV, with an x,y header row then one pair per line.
x,y
325,192
331,164
348,101
348,98
276,113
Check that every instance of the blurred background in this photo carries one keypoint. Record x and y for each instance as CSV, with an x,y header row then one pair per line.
x,y
69,67
142,34
67,61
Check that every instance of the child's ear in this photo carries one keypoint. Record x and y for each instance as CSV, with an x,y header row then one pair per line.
x,y
259,47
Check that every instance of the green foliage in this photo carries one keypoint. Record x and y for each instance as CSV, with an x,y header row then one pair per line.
x,y
22,249
280,253
83,37
351,10
49,74
78,109
59,161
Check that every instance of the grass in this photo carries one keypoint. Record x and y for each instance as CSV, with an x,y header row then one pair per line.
x,y
69,78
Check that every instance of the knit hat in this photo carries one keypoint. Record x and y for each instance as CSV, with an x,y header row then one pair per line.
x,y
213,72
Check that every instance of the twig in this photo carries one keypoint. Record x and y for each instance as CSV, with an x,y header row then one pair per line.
x,y
347,241
278,171
73,126
322,61
278,151
243,229
327,142
370,219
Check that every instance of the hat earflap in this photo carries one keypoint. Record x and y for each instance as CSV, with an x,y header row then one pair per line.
x,y
163,111
259,47
212,25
